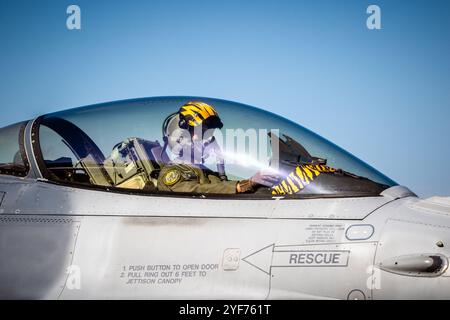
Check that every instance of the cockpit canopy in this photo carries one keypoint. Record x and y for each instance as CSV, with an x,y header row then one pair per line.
x,y
121,145
13,160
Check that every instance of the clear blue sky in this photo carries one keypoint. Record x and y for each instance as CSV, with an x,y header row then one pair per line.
x,y
384,95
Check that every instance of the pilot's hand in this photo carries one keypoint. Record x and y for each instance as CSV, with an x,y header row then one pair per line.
x,y
258,180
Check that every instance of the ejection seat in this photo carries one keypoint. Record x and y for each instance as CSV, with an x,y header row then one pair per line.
x,y
135,164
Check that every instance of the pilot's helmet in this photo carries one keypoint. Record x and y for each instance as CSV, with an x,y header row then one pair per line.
x,y
196,113
190,130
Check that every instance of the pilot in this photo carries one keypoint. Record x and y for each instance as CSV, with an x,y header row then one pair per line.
x,y
188,134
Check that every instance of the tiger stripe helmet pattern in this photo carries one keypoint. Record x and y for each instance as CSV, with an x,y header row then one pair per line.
x,y
196,112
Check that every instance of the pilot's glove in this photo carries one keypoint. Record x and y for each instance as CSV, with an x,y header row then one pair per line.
x,y
255,182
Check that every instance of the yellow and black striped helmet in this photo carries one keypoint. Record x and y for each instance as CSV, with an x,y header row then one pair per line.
x,y
195,113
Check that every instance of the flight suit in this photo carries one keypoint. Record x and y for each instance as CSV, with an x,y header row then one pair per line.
x,y
190,178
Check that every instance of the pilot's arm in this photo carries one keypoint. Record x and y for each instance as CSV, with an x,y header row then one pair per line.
x,y
182,178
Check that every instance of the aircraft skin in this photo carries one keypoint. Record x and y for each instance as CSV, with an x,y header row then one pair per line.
x,y
65,242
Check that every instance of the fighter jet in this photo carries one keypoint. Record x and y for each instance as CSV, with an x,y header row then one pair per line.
x,y
83,214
